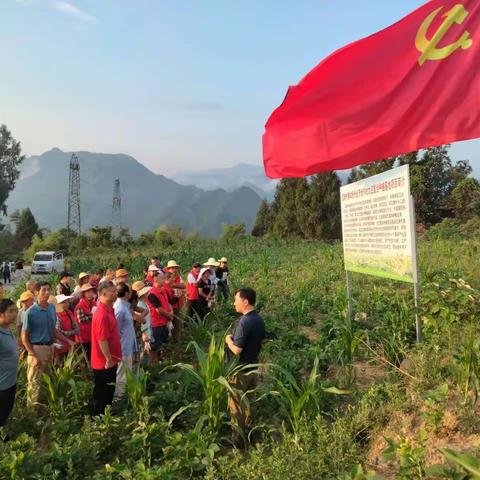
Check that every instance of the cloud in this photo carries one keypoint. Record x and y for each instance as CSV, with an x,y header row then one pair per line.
x,y
73,11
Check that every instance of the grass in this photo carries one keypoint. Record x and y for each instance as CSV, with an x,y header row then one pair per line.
x,y
175,422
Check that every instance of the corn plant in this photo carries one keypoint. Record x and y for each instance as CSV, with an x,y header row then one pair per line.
x,y
214,375
62,383
136,388
299,399
463,463
469,367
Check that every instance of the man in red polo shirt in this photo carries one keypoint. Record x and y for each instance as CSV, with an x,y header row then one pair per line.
x,y
106,348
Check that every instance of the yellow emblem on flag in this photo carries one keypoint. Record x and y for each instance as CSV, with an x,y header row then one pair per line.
x,y
428,48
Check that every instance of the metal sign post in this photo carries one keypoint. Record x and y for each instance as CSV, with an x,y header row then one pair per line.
x,y
416,281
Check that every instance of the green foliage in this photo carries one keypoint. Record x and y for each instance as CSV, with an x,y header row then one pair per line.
x,y
214,375
296,400
318,207
56,241
464,200
411,456
62,386
262,221
283,210
25,227
234,232
10,159
433,178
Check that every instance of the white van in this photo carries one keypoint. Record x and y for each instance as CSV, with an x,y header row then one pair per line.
x,y
48,262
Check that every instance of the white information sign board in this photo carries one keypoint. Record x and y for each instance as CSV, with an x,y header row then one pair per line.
x,y
378,226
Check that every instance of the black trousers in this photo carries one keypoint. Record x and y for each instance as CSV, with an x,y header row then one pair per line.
x,y
193,308
103,389
7,399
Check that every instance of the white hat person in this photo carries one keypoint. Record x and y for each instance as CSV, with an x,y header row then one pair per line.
x,y
211,262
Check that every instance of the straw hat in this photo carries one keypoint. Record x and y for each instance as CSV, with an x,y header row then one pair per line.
x,y
27,295
202,271
138,285
83,275
223,260
172,264
86,287
211,262
143,291
121,272
62,298
153,268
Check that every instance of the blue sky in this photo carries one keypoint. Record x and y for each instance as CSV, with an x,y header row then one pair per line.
x,y
179,84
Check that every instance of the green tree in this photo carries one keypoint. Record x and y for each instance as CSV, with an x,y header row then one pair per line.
x,y
433,177
101,236
369,169
283,211
232,232
318,207
10,159
464,200
25,227
262,220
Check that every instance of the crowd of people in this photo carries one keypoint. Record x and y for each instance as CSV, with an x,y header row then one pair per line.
x,y
113,324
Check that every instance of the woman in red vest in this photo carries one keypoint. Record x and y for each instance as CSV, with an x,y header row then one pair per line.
x,y
193,309
65,324
161,313
83,316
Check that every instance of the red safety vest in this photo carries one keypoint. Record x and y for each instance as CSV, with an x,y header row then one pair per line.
x,y
192,290
158,320
66,323
85,329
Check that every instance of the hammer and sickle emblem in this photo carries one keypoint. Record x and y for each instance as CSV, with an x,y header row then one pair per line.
x,y
428,48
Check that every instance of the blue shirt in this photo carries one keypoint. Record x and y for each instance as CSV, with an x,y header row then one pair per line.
x,y
40,323
8,359
125,327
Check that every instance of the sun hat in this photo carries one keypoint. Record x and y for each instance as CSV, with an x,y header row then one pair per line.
x,y
138,285
83,275
143,291
172,264
202,271
121,272
211,262
86,287
62,298
223,260
27,295
153,268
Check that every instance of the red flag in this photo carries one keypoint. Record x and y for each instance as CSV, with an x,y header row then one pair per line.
x,y
414,85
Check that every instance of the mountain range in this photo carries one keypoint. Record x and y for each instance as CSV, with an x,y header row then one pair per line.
x,y
148,200
231,178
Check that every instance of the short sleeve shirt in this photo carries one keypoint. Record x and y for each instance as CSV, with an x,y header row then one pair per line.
x,y
8,359
104,327
40,322
248,335
125,327
205,286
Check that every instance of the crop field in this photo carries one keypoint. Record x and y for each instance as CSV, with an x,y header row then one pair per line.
x,y
339,398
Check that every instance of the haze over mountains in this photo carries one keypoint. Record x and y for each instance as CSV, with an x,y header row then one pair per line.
x,y
148,200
